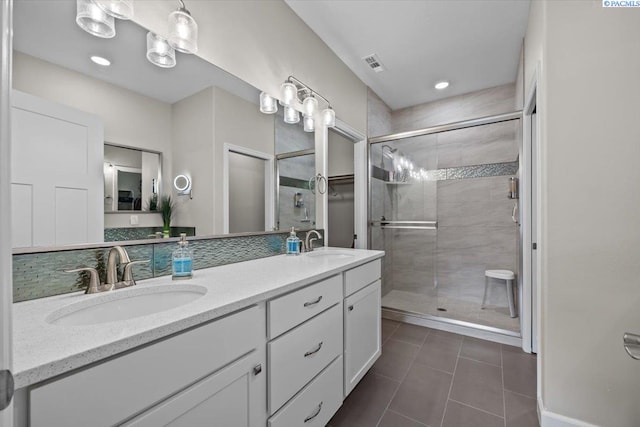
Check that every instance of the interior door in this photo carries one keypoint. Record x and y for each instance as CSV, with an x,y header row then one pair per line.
x,y
6,380
534,234
57,174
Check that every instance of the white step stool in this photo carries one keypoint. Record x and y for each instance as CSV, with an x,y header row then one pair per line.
x,y
506,275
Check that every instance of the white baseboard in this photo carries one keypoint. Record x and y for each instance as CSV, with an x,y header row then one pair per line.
x,y
456,327
551,419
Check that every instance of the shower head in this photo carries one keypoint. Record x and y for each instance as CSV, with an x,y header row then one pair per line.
x,y
391,150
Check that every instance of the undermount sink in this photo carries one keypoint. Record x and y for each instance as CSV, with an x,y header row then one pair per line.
x,y
330,253
125,304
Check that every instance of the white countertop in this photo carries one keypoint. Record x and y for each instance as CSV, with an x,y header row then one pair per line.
x,y
43,350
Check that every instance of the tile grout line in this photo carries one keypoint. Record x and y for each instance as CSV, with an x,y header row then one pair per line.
x,y
405,416
473,407
484,363
403,378
453,378
520,394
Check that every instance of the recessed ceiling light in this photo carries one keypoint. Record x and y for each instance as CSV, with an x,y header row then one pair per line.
x,y
101,61
441,85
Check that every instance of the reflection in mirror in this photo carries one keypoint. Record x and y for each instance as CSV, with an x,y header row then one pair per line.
x,y
183,115
131,179
295,169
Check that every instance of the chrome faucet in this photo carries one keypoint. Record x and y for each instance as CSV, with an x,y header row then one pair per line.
x,y
112,266
308,243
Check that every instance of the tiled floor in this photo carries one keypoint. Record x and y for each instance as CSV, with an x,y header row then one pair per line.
x,y
427,377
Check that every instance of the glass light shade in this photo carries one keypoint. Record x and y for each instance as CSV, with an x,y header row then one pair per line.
x,y
94,20
309,106
121,9
329,117
268,103
288,93
159,52
291,115
183,31
309,124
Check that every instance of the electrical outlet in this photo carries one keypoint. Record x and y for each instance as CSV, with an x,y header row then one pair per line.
x,y
133,219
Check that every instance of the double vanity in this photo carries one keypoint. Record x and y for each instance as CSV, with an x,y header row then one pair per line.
x,y
277,342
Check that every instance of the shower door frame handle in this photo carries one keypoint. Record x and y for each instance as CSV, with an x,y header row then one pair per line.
x,y
406,225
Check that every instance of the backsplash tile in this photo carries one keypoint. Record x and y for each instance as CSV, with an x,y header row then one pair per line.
x,y
39,275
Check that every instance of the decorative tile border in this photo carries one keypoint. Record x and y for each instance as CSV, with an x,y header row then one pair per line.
x,y
141,233
39,275
461,172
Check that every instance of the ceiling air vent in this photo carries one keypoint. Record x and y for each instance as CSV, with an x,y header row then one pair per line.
x,y
374,63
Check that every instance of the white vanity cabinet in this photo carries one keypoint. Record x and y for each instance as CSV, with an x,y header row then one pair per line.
x,y
362,318
212,372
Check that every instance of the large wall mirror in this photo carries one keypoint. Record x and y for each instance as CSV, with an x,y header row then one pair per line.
x,y
95,148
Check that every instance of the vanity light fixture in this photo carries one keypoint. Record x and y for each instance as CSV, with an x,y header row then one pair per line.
x,y
268,104
442,85
291,115
183,30
101,61
121,9
291,93
95,21
309,124
159,52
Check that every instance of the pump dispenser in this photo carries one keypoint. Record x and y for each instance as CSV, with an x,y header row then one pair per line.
x,y
293,243
182,260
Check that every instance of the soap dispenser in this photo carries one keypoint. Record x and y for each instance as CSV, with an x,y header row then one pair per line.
x,y
182,260
293,243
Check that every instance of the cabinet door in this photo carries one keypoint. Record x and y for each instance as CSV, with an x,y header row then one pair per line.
x,y
232,397
362,313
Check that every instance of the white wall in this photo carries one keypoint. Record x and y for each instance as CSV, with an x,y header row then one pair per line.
x,y
263,42
340,155
193,155
591,261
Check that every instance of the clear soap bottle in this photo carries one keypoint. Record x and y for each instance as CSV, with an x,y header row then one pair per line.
x,y
293,243
182,260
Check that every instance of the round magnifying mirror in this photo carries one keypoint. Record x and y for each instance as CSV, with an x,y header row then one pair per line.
x,y
182,184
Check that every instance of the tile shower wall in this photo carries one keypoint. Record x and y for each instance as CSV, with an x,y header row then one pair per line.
x,y
39,275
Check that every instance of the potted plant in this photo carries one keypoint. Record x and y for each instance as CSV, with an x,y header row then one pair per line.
x,y
166,207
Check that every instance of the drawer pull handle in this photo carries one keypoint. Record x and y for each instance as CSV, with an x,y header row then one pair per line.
x,y
314,302
309,353
351,308
310,417
257,369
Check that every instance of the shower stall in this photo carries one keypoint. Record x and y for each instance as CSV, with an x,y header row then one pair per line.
x,y
440,206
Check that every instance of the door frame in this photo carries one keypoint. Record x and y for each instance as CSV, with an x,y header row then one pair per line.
x,y
360,180
269,184
6,279
530,316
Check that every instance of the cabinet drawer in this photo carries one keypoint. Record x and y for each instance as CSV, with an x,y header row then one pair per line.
x,y
359,277
110,392
317,403
297,356
292,309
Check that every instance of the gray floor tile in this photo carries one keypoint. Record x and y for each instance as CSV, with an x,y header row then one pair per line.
x,y
479,385
423,395
440,351
519,371
412,334
388,328
520,411
397,357
366,403
393,419
458,415
481,350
